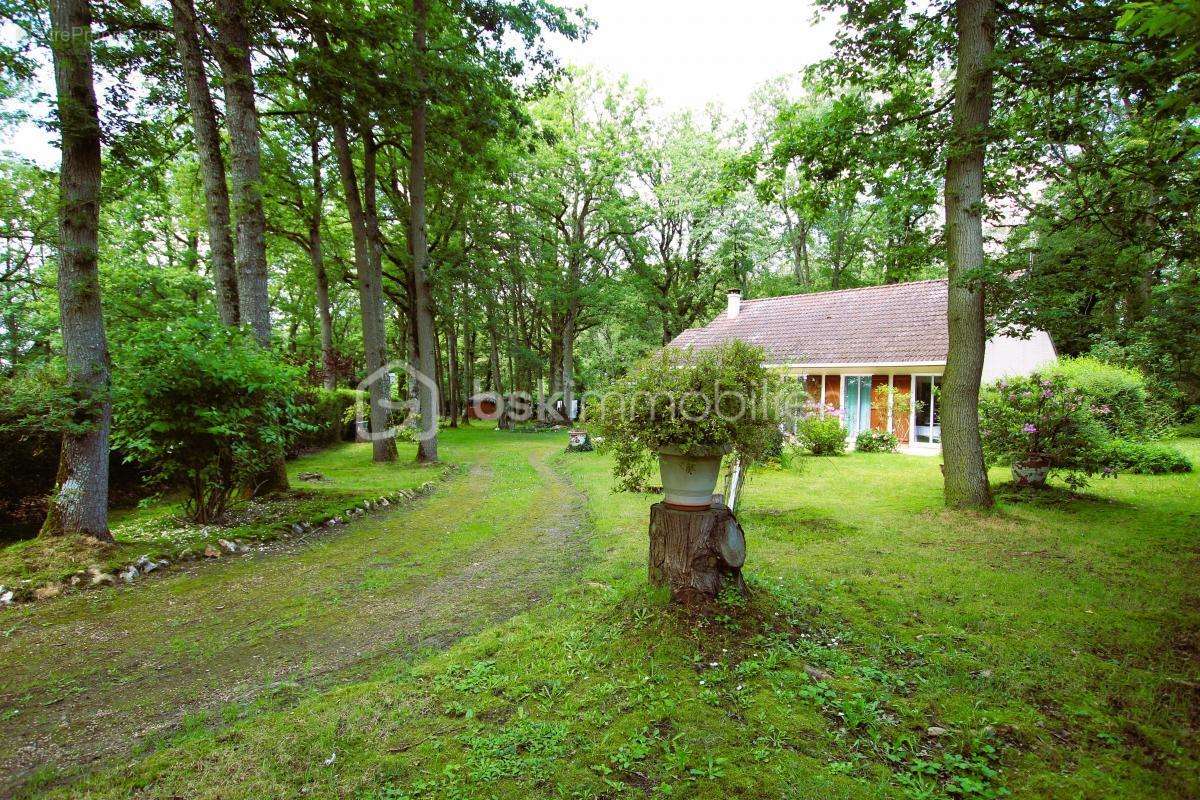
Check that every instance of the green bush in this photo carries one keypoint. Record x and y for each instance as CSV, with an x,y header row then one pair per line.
x,y
1146,458
700,402
204,407
822,436
1120,397
870,441
325,413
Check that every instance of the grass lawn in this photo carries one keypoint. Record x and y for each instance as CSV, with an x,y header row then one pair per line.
x,y
889,649
157,530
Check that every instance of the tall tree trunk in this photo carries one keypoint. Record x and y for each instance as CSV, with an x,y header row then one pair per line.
x,y
966,479
245,163
468,389
1137,299
370,293
452,342
212,163
245,167
80,501
568,366
422,300
317,257
495,379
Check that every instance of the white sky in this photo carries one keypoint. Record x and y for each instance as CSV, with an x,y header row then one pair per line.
x,y
693,52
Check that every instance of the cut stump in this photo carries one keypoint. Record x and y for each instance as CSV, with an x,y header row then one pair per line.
x,y
696,553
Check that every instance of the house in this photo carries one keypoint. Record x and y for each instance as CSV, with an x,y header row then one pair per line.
x,y
846,344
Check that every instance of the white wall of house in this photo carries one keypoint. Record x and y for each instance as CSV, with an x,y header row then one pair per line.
x,y
1009,356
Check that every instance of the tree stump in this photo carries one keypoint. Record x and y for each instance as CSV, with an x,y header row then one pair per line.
x,y
696,553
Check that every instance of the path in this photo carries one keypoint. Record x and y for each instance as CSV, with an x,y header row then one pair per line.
x,y
88,677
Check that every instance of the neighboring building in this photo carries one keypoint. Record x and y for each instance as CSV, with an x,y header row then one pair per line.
x,y
845,344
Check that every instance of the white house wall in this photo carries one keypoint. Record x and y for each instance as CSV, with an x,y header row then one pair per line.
x,y
1009,356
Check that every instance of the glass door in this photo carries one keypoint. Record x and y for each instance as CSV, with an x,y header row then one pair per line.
x,y
925,401
857,404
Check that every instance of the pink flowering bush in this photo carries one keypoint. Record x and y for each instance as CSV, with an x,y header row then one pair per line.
x,y
1042,423
820,431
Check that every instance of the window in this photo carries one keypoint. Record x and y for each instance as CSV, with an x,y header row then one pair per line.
x,y
925,409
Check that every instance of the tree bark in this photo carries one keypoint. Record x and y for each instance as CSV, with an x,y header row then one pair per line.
x,y
212,163
370,293
966,479
317,257
567,381
452,347
696,553
422,300
80,501
241,118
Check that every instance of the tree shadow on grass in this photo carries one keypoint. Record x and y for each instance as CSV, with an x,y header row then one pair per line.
x,y
795,525
1052,497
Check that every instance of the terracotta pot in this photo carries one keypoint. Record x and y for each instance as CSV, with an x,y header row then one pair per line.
x,y
688,480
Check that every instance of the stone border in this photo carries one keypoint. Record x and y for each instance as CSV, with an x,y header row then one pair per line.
x,y
95,578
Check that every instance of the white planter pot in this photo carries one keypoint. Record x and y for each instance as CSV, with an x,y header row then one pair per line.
x,y
688,480
1030,474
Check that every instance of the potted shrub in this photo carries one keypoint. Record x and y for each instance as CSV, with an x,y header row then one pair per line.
x,y
1038,425
689,409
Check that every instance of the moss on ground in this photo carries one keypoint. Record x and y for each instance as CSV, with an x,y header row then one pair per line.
x,y
889,648
158,530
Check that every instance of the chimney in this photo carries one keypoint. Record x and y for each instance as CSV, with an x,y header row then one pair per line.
x,y
735,303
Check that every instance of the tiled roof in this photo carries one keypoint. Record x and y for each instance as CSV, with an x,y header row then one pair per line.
x,y
899,323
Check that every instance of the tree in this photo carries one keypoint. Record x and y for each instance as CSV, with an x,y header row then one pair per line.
x,y
80,501
212,162
232,45
966,481
422,299
673,257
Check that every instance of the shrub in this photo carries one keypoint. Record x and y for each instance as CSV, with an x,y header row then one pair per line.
x,y
203,406
1041,422
870,441
1145,458
1119,395
36,408
821,435
325,413
700,402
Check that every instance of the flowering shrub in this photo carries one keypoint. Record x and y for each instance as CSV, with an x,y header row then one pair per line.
x,y
1042,423
870,441
819,430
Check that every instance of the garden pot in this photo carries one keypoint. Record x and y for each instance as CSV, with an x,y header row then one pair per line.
x,y
688,480
1031,473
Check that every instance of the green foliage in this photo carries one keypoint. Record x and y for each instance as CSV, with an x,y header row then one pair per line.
x,y
900,403
1145,458
326,416
1119,396
1039,421
822,435
872,441
698,401
203,406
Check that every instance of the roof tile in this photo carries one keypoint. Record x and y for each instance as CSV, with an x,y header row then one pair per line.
x,y
903,322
